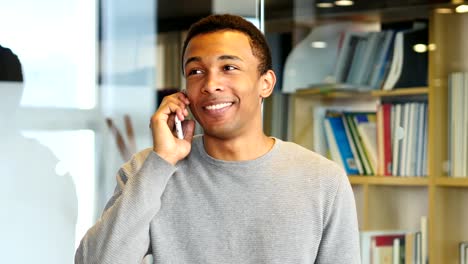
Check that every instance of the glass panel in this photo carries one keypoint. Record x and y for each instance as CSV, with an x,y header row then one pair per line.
x,y
58,157
56,43
47,174
74,160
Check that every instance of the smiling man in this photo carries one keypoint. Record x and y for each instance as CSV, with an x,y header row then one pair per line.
x,y
233,194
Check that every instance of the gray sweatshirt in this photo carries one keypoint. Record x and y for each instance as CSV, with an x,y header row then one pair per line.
x,y
290,205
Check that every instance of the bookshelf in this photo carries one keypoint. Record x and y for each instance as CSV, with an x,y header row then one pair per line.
x,y
448,196
399,202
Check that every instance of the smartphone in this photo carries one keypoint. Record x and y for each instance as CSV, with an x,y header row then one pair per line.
x,y
178,128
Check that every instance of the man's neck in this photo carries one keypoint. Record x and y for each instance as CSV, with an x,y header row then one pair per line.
x,y
238,149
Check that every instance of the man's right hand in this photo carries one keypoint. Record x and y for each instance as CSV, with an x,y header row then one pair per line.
x,y
165,141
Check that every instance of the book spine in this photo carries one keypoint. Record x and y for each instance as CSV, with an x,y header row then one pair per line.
x,y
332,144
357,142
339,134
463,252
387,139
352,145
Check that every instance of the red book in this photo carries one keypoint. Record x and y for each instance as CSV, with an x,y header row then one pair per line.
x,y
387,240
387,139
380,142
383,247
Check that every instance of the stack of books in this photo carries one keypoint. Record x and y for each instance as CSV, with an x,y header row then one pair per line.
x,y
402,137
394,58
352,141
389,142
395,246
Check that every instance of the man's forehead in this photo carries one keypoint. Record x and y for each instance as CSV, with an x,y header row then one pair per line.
x,y
222,40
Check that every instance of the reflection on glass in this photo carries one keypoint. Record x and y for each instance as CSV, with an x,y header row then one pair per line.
x,y
56,43
49,157
38,207
75,152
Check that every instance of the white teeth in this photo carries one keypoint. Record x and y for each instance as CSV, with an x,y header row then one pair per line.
x,y
217,106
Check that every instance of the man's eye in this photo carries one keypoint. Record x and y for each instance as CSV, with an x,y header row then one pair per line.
x,y
229,68
193,72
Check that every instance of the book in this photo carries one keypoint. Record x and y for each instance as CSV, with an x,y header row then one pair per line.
x,y
397,256
424,230
333,152
404,142
409,67
338,142
424,146
418,248
394,70
458,124
387,138
414,68
367,129
347,54
357,141
380,141
383,59
421,139
367,239
374,47
463,252
382,248
397,135
357,61
353,146
411,161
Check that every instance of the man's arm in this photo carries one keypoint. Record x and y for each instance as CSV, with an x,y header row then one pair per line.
x,y
340,239
121,235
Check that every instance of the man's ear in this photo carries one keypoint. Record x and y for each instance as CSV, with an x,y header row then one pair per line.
x,y
268,83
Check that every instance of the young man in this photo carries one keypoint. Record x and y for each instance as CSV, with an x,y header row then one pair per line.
x,y
233,194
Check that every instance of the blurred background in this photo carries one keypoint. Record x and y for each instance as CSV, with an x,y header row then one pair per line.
x,y
80,79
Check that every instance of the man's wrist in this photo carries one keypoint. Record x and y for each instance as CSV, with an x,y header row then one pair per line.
x,y
167,157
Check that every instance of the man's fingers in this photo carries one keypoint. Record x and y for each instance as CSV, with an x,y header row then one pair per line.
x,y
176,103
188,126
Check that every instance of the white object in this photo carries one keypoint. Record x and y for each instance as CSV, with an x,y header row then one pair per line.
x,y
178,127
313,59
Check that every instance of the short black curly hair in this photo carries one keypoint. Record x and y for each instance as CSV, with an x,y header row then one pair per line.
x,y
213,23
10,66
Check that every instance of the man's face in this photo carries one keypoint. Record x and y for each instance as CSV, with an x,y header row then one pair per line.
x,y
223,83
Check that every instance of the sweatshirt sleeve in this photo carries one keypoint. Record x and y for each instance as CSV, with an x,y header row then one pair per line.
x,y
122,235
340,239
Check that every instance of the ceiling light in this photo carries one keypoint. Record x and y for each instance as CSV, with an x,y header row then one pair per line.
x,y
324,5
420,48
318,44
344,3
462,9
444,10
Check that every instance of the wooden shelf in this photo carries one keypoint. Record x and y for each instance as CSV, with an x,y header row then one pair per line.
x,y
402,91
451,182
330,91
389,180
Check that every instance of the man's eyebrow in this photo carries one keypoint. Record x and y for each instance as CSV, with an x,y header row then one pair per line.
x,y
229,57
189,60
222,57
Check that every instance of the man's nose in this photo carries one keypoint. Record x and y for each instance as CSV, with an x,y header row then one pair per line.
x,y
213,84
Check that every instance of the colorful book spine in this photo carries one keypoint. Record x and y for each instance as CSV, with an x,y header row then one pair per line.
x,y
336,125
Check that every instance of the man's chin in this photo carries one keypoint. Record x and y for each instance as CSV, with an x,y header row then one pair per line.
x,y
219,132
